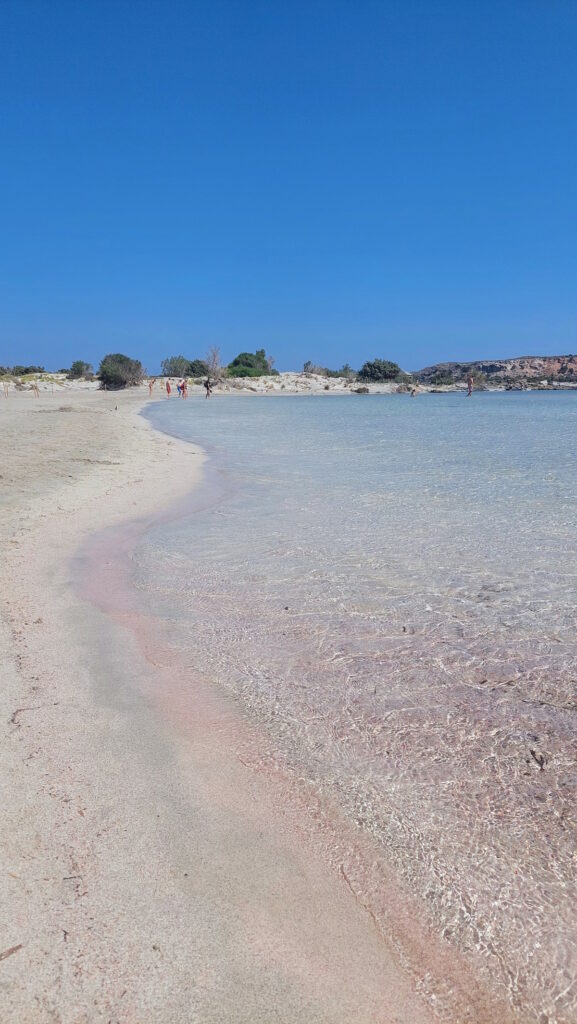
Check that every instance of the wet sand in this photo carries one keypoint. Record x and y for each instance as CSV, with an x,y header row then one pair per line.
x,y
149,873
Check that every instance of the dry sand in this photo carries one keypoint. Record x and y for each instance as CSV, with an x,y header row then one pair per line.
x,y
148,875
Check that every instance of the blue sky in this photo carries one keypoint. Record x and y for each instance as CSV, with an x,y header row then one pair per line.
x,y
330,181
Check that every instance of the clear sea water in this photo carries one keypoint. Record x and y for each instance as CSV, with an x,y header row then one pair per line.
x,y
388,586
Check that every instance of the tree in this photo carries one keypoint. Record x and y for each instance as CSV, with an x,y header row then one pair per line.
x,y
379,369
213,363
180,366
117,371
198,368
175,366
79,369
251,364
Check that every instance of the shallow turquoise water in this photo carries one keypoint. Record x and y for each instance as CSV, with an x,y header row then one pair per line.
x,y
389,586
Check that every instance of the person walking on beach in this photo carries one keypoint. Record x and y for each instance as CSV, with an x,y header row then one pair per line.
x,y
184,387
168,388
469,386
151,386
6,388
208,387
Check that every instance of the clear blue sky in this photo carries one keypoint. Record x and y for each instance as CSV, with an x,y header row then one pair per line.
x,y
331,181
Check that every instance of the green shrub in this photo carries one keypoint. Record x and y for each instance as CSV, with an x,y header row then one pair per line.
x,y
245,371
22,371
79,369
251,364
180,366
324,371
378,370
117,371
197,368
174,366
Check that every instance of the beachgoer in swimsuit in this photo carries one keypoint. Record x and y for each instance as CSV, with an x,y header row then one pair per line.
x,y
208,387
168,389
469,386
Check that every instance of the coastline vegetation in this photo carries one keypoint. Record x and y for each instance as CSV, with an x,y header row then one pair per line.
x,y
249,364
20,371
117,371
345,371
80,369
180,366
380,370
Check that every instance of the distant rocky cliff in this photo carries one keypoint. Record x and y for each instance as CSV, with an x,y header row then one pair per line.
x,y
501,371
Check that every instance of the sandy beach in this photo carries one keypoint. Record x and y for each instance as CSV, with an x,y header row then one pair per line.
x,y
148,874
288,496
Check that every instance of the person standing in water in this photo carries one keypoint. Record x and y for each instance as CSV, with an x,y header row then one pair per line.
x,y
469,386
168,388
208,387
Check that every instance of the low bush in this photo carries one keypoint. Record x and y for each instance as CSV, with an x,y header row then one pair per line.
x,y
23,371
251,364
379,370
345,371
180,366
80,369
117,371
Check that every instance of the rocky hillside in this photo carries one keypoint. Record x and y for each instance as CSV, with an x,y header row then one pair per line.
x,y
500,371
